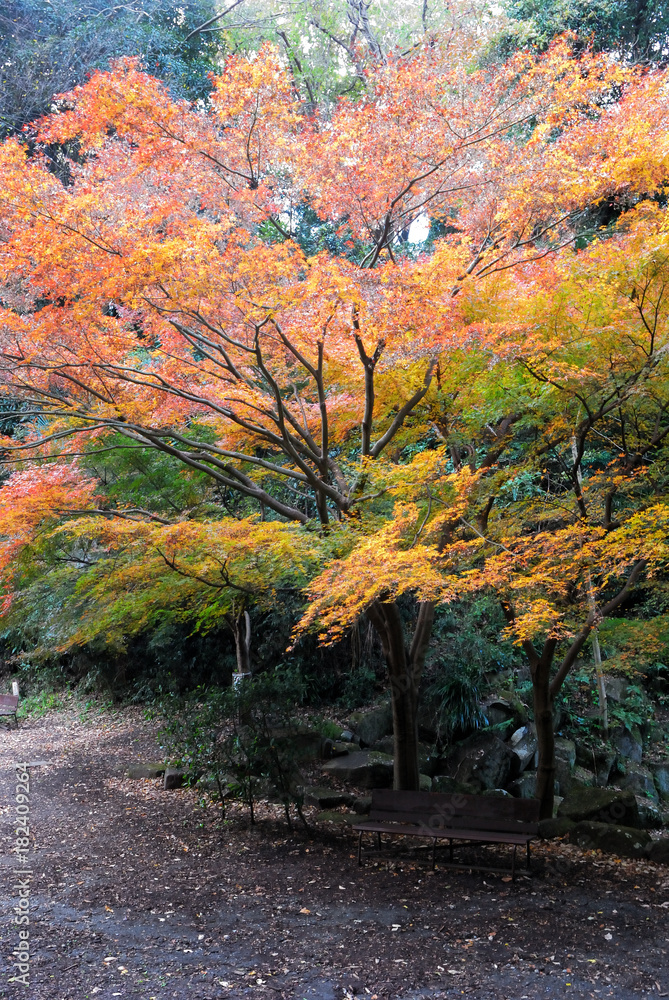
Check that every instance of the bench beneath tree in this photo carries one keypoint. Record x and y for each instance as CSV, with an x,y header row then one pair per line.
x,y
9,704
453,817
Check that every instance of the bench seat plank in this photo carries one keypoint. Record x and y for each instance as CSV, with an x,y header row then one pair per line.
x,y
484,836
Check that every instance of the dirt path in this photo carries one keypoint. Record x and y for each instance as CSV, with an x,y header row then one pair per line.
x,y
137,892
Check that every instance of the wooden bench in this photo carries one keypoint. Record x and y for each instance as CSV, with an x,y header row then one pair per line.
x,y
454,817
9,704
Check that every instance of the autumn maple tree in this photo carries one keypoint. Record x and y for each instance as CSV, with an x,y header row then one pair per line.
x,y
158,295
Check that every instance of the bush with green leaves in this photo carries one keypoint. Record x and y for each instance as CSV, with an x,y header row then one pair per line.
x,y
466,648
245,739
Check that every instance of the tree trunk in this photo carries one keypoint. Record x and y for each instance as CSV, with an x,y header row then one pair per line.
x,y
543,719
242,633
405,668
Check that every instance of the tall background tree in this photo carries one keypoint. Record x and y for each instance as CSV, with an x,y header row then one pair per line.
x,y
162,298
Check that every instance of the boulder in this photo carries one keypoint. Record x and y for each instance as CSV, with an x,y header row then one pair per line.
x,y
362,804
565,760
600,805
174,778
600,760
498,711
363,769
482,761
326,798
428,721
616,687
660,772
523,742
624,841
497,793
639,780
628,743
550,829
523,787
428,760
301,743
340,749
425,782
146,771
346,736
372,725
658,851
442,783
650,814
582,778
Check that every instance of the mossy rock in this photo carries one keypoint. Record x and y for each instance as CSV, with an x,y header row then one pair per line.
x,y
156,770
623,841
600,805
551,829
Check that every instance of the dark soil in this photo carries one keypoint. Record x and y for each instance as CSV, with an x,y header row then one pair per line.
x,y
137,892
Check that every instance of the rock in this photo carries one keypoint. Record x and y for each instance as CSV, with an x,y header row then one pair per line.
x,y
523,787
498,711
362,805
428,721
482,761
624,841
582,778
343,819
550,829
650,815
346,736
300,743
660,774
340,749
523,742
146,771
425,782
327,749
600,760
326,798
373,724
616,687
428,761
658,851
600,805
363,769
442,783
497,793
174,778
628,743
565,759
639,780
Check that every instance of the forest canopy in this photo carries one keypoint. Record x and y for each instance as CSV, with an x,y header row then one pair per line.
x,y
233,375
